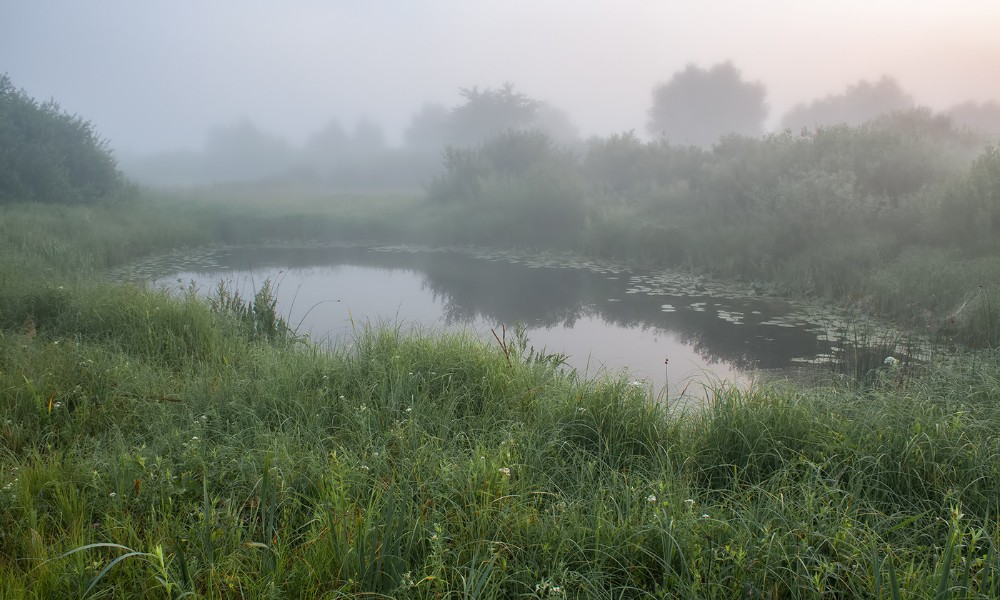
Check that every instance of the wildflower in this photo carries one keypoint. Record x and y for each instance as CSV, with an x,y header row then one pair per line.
x,y
581,410
365,468
890,361
409,409
57,405
341,397
505,471
706,516
112,495
194,439
689,501
204,417
651,499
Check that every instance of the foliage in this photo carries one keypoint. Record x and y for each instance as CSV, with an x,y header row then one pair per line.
x,y
859,103
698,106
517,187
48,155
982,117
488,112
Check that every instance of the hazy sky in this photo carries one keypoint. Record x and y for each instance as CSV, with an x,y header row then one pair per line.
x,y
157,75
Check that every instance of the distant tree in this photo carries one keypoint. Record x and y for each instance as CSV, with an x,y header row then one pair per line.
x,y
428,129
982,118
49,155
861,102
486,112
984,185
241,151
556,124
698,106
327,145
369,139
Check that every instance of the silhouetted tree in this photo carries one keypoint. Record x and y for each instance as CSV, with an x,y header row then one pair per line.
x,y
486,112
861,102
698,106
48,155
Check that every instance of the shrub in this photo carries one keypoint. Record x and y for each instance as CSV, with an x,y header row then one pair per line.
x,y
49,155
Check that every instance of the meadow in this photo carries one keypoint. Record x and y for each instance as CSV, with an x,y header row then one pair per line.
x,y
155,446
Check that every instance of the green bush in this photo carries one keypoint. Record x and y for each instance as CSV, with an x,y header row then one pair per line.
x,y
48,155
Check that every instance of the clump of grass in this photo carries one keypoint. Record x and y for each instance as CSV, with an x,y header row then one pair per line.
x,y
259,315
869,353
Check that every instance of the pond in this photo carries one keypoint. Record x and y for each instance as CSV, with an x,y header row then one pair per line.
x,y
604,317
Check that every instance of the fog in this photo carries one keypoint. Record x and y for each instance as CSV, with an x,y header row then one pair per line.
x,y
187,76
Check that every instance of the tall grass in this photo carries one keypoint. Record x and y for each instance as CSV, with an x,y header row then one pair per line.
x,y
153,446
418,466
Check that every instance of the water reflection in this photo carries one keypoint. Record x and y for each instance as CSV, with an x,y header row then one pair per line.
x,y
604,320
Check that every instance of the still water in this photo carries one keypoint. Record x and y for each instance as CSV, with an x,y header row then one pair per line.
x,y
605,318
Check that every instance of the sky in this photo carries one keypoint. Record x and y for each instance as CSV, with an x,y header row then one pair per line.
x,y
156,76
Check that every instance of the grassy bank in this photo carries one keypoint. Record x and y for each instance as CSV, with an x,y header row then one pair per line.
x,y
224,462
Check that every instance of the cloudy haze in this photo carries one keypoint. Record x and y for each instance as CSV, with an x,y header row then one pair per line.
x,y
155,76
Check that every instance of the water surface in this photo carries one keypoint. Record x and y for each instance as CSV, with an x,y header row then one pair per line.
x,y
604,317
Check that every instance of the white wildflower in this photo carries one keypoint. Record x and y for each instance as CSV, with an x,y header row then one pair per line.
x,y
112,495
651,499
505,471
890,361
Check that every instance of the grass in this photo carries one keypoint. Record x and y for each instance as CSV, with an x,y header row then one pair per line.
x,y
164,447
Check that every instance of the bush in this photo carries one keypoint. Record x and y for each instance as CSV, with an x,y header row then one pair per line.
x,y
48,155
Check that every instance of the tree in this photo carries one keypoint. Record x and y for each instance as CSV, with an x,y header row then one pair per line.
x,y
242,152
859,103
556,124
487,112
428,128
698,106
982,118
49,155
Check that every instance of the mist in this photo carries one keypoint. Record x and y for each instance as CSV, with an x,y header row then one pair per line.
x,y
172,81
